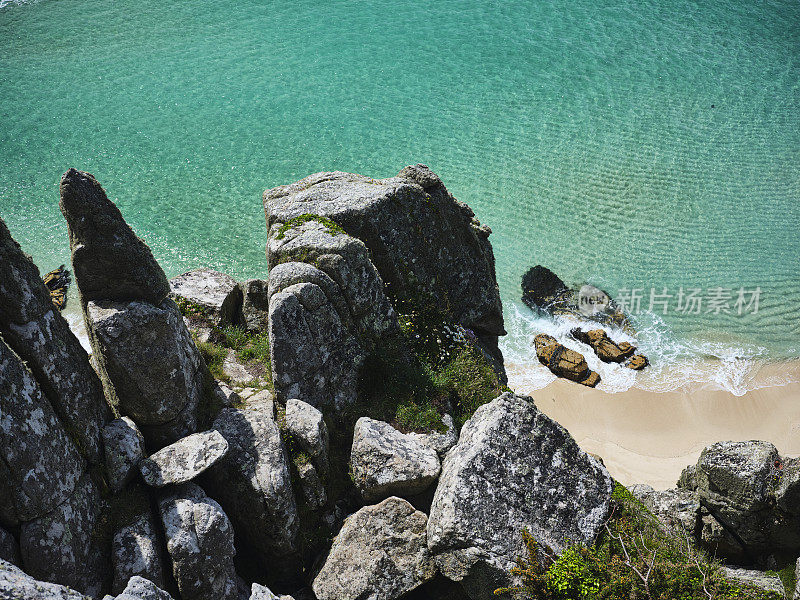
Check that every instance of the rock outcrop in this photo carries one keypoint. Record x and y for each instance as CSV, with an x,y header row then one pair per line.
x,y
512,468
354,235
184,460
200,544
14,583
379,553
677,508
563,361
149,366
385,462
37,332
216,294
606,349
253,485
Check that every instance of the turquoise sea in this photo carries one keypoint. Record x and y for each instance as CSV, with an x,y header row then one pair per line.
x,y
631,145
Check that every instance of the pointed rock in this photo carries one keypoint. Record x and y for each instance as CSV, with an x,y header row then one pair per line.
x,y
109,261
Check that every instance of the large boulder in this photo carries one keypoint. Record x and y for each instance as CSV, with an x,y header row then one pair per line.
x,y
200,544
513,468
379,553
39,464
307,427
735,484
67,544
124,447
217,294
149,365
184,460
563,361
253,484
540,287
15,584
606,349
136,552
42,338
110,262
385,462
417,234
312,355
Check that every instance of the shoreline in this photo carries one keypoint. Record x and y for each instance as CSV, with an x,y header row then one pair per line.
x,y
649,437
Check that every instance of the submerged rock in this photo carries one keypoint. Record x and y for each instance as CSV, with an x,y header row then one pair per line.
x,y
606,349
184,460
385,462
379,553
563,361
218,295
512,468
200,544
109,261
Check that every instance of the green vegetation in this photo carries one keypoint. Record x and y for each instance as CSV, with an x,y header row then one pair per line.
x,y
189,308
431,367
330,227
635,558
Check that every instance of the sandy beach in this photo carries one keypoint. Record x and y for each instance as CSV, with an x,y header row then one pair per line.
x,y
649,437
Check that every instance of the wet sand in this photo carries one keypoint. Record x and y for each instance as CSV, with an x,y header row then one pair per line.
x,y
649,437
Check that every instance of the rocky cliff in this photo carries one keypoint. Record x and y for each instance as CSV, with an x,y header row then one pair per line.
x,y
340,430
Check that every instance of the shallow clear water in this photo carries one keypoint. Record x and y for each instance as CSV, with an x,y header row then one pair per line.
x,y
583,133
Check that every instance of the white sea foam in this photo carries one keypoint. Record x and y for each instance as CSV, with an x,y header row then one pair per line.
x,y
674,363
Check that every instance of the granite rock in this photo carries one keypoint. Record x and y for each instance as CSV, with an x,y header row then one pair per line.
x,y
183,460
440,441
253,484
109,261
139,588
677,508
385,462
124,449
15,584
200,544
218,294
512,468
39,464
306,425
66,545
379,553
255,304
758,579
149,365
311,485
136,552
9,548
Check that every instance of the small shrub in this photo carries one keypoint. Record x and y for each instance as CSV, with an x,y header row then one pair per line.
x,y
470,382
214,355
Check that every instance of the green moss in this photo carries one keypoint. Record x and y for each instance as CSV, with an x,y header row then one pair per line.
x,y
330,227
679,571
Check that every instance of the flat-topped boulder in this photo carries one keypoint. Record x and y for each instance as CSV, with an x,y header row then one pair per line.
x,y
564,362
513,468
184,460
379,553
218,295
385,462
417,234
